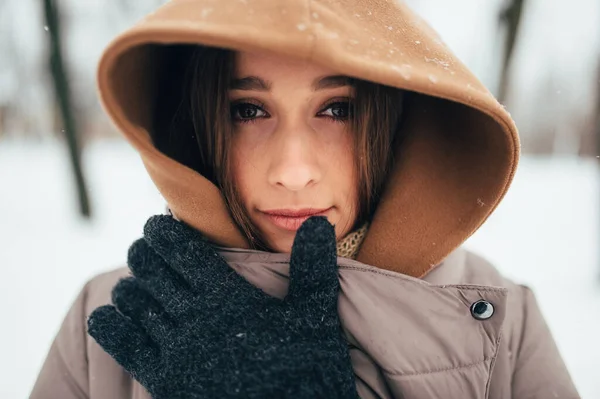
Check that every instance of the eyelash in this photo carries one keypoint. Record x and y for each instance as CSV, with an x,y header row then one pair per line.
x,y
260,106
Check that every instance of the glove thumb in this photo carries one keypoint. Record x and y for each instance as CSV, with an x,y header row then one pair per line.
x,y
314,282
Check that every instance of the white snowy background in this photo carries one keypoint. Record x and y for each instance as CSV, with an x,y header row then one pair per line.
x,y
545,233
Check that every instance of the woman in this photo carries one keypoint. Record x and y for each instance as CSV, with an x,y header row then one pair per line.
x,y
261,123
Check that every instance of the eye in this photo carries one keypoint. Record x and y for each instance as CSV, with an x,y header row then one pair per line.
x,y
246,112
339,110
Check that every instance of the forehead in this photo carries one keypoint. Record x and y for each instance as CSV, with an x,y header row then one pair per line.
x,y
272,66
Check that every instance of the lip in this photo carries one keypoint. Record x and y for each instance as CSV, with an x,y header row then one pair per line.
x,y
292,219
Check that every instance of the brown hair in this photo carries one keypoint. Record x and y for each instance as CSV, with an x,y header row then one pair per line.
x,y
194,127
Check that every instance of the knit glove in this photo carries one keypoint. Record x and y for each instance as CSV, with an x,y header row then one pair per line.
x,y
186,325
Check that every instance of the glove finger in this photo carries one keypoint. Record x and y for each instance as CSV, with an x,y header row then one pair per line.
x,y
159,280
314,282
141,308
197,262
122,340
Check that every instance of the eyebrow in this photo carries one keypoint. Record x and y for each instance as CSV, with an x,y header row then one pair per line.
x,y
254,83
331,82
250,83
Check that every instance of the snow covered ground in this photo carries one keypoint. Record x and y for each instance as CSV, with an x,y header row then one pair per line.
x,y
545,234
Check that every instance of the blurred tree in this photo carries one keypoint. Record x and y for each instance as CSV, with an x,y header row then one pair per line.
x,y
597,126
510,18
63,95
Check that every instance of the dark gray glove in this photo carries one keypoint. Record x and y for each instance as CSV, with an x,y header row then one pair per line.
x,y
186,325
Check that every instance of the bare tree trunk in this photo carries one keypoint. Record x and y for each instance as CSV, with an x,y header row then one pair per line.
x,y
597,126
511,17
63,95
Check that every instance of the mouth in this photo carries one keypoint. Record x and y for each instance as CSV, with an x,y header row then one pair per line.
x,y
292,219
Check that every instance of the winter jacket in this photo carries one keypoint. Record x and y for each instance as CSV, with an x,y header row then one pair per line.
x,y
424,318
410,338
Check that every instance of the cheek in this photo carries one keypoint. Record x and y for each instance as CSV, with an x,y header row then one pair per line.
x,y
247,164
345,163
349,176
339,156
242,178
342,156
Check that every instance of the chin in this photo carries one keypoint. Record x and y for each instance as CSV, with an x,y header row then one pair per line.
x,y
281,245
275,241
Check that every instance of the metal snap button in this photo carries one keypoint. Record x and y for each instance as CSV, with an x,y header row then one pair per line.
x,y
482,310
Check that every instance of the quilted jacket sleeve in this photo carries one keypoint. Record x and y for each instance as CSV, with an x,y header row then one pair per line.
x,y
64,372
539,372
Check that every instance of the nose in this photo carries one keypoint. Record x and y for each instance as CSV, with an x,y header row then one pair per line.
x,y
294,165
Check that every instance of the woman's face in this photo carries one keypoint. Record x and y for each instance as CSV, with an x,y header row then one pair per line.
x,y
293,150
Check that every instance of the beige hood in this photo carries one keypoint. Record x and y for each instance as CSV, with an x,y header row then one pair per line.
x,y
454,167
